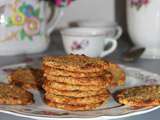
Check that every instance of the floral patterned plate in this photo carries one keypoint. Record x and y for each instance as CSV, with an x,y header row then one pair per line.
x,y
107,111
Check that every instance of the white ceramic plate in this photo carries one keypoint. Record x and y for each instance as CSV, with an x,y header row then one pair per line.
x,y
112,110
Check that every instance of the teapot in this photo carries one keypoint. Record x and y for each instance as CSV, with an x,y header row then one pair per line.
x,y
24,25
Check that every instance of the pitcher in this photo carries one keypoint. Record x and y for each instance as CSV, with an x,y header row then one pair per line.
x,y
144,25
24,26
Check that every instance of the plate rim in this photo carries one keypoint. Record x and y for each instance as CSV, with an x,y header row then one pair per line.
x,y
76,118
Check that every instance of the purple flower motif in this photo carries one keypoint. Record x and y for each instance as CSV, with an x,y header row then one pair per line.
x,y
150,81
28,60
81,45
75,46
8,70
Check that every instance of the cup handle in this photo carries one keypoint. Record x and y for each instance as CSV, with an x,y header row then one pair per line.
x,y
119,32
113,47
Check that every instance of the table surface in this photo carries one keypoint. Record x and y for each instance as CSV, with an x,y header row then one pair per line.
x,y
56,48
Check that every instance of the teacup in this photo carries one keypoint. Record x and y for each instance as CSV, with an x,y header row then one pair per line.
x,y
88,41
113,29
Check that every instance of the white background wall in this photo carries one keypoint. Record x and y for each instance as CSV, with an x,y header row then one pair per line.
x,y
89,9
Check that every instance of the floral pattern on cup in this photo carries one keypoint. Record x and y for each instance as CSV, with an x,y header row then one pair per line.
x,y
79,45
139,3
27,17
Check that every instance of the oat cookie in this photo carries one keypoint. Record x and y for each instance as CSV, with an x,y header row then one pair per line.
x,y
26,77
79,63
77,101
97,81
65,73
73,107
118,75
69,87
141,96
75,93
13,95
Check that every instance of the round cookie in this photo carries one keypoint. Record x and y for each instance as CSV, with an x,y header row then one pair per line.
x,y
62,86
75,93
12,95
79,63
77,101
28,78
97,81
65,73
73,107
141,96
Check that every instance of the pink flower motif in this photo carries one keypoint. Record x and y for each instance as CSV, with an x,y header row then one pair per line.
x,y
32,26
139,3
78,46
145,1
75,46
69,2
58,2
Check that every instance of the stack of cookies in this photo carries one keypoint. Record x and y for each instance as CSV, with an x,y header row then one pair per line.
x,y
76,82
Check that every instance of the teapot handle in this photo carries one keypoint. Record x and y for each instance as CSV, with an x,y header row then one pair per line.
x,y
54,19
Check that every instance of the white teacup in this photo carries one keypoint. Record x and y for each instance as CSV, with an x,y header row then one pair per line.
x,y
113,29
88,41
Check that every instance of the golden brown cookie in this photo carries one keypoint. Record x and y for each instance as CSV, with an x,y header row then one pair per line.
x,y
78,63
75,93
65,73
97,81
77,101
62,86
73,107
12,95
26,78
141,96
118,75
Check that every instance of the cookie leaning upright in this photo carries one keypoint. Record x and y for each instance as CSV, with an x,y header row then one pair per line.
x,y
76,82
118,75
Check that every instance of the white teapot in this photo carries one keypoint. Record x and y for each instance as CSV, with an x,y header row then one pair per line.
x,y
143,18
24,26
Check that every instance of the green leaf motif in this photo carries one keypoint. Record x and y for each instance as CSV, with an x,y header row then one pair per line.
x,y
22,34
37,12
41,19
30,38
22,7
9,22
40,34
